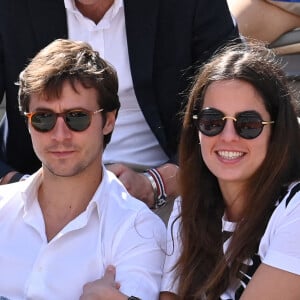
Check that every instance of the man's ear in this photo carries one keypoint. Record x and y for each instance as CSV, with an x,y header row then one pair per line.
x,y
110,121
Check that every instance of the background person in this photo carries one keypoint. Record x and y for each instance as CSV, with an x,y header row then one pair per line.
x,y
62,227
235,232
151,44
265,20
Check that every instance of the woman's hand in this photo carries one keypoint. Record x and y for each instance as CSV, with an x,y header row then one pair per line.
x,y
105,288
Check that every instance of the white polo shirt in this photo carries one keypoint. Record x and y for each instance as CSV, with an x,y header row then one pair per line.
x,y
115,229
133,142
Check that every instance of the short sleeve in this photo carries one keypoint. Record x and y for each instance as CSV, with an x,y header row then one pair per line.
x,y
173,250
280,245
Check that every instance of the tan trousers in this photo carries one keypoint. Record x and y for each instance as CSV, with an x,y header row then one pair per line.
x,y
291,7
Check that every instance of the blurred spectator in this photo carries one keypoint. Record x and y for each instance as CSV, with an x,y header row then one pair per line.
x,y
265,20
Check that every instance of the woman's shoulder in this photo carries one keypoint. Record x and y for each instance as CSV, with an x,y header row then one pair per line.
x,y
287,208
279,246
290,199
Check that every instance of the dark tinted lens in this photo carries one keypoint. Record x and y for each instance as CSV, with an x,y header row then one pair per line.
x,y
210,122
248,125
78,120
43,121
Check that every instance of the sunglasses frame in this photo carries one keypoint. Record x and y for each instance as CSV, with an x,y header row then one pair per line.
x,y
224,118
64,115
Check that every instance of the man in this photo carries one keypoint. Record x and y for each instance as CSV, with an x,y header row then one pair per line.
x,y
62,227
155,46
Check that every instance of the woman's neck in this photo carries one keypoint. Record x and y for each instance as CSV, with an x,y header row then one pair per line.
x,y
234,201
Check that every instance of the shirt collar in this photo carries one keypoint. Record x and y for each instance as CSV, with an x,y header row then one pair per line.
x,y
30,188
110,14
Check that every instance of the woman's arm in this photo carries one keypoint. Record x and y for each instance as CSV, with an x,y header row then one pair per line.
x,y
269,283
278,276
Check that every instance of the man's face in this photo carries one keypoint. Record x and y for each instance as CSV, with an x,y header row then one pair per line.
x,y
62,151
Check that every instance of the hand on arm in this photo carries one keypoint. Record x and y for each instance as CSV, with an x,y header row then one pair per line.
x,y
139,186
105,288
138,256
168,172
6,178
12,177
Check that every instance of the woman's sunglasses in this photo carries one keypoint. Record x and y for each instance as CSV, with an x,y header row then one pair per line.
x,y
76,120
247,124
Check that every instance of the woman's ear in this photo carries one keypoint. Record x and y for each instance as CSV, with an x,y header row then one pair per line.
x,y
110,120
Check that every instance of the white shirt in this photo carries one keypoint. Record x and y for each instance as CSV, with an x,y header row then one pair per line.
x,y
133,142
115,229
279,246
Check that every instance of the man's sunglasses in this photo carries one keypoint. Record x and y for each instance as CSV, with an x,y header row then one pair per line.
x,y
247,124
76,120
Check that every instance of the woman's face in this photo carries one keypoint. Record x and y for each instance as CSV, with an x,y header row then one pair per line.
x,y
231,158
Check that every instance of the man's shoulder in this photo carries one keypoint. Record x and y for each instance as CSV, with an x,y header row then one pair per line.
x,y
9,194
118,194
119,204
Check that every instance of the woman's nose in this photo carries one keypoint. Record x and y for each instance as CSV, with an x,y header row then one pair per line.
x,y
229,133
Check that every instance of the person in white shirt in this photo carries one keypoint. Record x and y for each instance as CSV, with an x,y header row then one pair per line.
x,y
235,231
62,227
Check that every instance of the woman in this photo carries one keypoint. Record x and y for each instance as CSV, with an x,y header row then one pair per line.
x,y
240,163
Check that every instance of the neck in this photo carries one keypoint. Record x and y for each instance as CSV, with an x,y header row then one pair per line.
x,y
234,204
95,11
62,199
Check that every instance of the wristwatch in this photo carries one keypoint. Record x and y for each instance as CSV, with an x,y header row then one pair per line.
x,y
160,196
134,298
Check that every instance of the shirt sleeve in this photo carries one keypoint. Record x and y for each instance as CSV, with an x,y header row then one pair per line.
x,y
139,254
169,284
280,245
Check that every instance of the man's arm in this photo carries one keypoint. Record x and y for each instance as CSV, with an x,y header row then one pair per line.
x,y
139,185
137,253
4,168
12,176
6,172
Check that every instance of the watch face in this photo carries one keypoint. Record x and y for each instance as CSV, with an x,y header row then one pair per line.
x,y
160,202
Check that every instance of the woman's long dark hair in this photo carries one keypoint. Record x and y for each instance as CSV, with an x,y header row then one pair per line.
x,y
202,269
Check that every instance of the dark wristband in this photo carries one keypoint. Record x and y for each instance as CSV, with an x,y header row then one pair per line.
x,y
134,298
16,177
